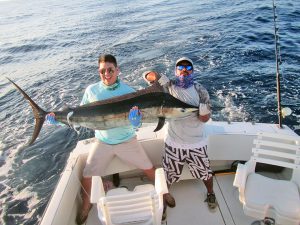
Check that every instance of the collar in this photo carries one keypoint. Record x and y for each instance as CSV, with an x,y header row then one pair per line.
x,y
113,86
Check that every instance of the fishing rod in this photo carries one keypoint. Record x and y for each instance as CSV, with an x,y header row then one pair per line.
x,y
278,62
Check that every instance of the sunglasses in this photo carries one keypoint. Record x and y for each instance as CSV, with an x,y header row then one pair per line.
x,y
181,67
109,70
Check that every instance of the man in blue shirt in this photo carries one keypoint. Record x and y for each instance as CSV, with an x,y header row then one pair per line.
x,y
120,141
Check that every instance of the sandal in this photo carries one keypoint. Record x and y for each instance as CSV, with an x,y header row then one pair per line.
x,y
169,200
211,200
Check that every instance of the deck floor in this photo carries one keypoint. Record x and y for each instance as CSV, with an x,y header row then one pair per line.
x,y
190,206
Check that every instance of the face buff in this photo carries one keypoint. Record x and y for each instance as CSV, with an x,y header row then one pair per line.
x,y
184,81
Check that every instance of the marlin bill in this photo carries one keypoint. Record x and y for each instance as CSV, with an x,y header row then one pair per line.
x,y
154,103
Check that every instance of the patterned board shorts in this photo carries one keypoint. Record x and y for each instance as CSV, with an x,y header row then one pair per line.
x,y
197,160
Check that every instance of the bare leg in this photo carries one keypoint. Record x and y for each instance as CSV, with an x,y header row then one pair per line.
x,y
209,185
211,197
86,205
86,193
150,173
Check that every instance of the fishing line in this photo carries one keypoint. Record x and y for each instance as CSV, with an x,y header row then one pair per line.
x,y
76,128
162,106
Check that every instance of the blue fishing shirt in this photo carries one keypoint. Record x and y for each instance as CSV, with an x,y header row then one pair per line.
x,y
100,91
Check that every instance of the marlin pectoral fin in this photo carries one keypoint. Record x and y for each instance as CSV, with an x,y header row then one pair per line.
x,y
161,123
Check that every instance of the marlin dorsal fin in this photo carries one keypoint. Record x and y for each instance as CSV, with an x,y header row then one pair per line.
x,y
160,124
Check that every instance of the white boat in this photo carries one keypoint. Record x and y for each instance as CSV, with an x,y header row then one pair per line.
x,y
227,143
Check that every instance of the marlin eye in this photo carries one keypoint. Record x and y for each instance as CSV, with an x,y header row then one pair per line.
x,y
182,110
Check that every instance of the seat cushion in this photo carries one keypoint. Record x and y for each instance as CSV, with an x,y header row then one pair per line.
x,y
143,187
263,193
122,191
117,191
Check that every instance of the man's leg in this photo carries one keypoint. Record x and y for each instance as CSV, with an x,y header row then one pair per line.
x,y
211,197
150,173
99,156
173,162
86,192
199,167
133,153
209,185
86,205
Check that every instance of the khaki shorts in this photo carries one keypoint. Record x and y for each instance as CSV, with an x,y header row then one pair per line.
x,y
101,154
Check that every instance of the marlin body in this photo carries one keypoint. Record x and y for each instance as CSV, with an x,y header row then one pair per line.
x,y
153,102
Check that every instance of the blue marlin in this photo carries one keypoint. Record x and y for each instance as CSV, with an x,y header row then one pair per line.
x,y
153,102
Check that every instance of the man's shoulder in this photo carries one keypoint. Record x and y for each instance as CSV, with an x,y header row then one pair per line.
x,y
92,87
94,84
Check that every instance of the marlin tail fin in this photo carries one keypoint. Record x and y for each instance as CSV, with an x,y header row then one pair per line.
x,y
39,114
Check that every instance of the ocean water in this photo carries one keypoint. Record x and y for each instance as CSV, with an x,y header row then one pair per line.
x,y
50,49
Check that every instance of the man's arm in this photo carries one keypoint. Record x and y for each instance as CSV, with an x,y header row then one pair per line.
x,y
151,77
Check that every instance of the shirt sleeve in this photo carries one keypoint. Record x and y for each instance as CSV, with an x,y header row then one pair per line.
x,y
203,97
85,98
203,94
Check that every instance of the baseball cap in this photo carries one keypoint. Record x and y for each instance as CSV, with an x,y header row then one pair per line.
x,y
184,59
144,74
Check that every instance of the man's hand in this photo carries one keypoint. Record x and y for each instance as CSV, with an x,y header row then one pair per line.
x,y
204,109
135,116
204,112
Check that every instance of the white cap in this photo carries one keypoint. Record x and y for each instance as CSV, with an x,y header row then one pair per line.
x,y
184,59
144,74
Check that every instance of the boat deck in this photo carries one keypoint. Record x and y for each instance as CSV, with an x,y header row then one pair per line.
x,y
227,143
190,206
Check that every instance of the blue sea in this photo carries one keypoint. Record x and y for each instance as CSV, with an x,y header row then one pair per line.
x,y
50,49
